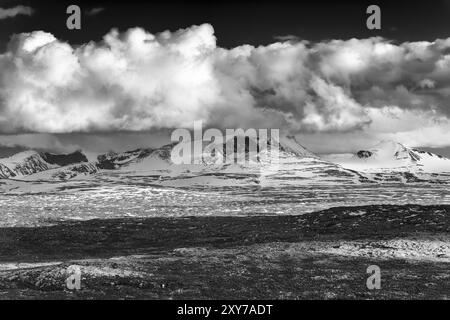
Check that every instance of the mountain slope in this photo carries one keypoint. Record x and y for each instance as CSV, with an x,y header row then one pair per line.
x,y
293,165
64,159
299,166
393,156
33,165
218,165
22,164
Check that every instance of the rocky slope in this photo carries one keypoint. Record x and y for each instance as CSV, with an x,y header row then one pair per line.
x,y
29,165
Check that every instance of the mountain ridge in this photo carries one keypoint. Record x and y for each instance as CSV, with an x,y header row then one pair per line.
x,y
385,161
393,156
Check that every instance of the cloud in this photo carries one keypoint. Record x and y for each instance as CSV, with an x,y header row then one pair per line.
x,y
92,144
38,141
12,12
412,127
95,11
139,81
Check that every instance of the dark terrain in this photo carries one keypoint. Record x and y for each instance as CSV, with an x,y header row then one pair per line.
x,y
321,255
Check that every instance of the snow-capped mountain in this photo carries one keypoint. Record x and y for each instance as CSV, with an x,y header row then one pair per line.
x,y
64,159
144,159
44,165
293,165
160,158
240,147
113,160
22,164
393,156
299,166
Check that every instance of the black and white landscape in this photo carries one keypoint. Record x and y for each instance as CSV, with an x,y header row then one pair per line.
x,y
87,178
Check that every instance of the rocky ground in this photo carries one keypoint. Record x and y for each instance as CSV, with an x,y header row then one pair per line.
x,y
321,255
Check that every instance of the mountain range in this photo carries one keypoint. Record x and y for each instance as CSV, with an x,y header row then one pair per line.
x,y
388,161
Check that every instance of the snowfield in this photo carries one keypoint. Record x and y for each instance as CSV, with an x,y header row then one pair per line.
x,y
47,204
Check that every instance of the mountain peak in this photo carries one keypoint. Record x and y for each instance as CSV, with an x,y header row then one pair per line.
x,y
64,159
23,163
387,150
290,144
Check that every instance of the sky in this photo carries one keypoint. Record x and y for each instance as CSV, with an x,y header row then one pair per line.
x,y
137,70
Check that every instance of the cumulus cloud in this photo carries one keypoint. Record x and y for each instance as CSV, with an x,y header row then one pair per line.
x,y
139,81
12,12
412,127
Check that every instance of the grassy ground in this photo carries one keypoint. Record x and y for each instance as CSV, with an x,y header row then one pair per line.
x,y
322,255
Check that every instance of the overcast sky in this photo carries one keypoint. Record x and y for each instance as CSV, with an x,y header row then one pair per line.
x,y
136,70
